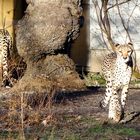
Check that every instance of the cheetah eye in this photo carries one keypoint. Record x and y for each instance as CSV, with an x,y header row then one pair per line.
x,y
129,51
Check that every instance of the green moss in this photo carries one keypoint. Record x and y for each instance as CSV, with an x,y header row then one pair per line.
x,y
94,79
98,129
72,137
136,74
7,135
108,131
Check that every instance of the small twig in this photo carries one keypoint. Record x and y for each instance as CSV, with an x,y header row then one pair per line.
x,y
22,116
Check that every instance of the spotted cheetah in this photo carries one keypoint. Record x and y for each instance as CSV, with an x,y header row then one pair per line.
x,y
12,66
117,70
5,46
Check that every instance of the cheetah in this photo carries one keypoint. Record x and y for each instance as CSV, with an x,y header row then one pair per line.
x,y
5,46
12,66
117,71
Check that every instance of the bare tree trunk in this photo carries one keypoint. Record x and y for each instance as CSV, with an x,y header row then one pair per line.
x,y
47,27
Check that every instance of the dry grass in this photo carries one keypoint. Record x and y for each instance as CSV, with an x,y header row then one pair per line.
x,y
19,113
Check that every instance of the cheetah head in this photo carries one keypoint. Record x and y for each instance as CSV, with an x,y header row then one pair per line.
x,y
124,51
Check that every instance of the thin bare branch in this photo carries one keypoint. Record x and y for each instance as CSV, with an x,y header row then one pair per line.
x,y
98,10
103,20
117,4
131,15
122,20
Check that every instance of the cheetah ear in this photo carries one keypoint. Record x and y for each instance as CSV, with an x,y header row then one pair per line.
x,y
130,44
116,45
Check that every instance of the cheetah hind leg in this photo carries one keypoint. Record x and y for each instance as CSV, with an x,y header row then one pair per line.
x,y
6,83
107,96
115,110
5,80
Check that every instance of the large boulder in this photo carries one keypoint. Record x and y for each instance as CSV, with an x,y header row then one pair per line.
x,y
46,29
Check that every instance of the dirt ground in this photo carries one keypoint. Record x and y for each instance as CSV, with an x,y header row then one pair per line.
x,y
87,103
75,107
77,116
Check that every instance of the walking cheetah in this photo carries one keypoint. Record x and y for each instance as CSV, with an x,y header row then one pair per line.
x,y
117,70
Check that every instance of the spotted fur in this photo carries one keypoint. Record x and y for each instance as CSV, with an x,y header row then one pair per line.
x,y
117,70
5,45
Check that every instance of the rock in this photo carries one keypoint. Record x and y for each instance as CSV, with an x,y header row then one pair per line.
x,y
41,35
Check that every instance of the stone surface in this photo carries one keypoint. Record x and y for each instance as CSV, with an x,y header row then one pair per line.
x,y
42,35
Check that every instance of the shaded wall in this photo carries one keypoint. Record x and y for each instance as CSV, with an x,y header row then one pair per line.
x,y
6,14
10,12
80,47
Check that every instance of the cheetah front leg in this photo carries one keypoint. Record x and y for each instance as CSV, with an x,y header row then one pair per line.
x,y
114,107
124,95
1,73
108,94
4,67
4,76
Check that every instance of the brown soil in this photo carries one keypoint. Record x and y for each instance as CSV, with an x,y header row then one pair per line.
x,y
87,103
73,106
